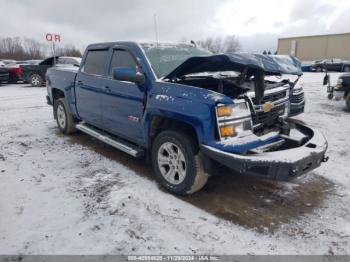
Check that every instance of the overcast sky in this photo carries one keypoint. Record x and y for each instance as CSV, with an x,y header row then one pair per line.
x,y
258,24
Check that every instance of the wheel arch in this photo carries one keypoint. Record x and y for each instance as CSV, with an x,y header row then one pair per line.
x,y
160,123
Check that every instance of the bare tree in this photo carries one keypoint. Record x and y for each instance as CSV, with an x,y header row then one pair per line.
x,y
228,44
33,49
11,48
68,50
232,44
24,49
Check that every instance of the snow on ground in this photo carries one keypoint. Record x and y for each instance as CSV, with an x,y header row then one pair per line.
x,y
62,195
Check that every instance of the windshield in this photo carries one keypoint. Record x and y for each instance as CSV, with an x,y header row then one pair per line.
x,y
164,58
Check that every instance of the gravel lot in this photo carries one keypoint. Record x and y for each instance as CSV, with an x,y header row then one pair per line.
x,y
76,195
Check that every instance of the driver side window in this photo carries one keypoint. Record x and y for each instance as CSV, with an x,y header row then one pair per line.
x,y
121,58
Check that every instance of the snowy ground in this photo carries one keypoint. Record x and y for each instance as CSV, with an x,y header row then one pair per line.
x,y
75,195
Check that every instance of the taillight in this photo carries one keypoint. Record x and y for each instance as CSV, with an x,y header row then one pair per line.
x,y
15,70
18,71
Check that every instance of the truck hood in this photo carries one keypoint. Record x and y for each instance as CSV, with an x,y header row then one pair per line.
x,y
269,64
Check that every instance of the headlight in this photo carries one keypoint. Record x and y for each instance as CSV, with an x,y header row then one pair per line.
x,y
224,111
233,119
229,130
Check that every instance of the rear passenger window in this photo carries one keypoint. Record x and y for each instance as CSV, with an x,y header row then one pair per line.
x,y
95,62
122,58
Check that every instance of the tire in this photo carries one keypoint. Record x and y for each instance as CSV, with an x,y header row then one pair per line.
x,y
64,119
36,80
347,103
177,163
346,69
330,96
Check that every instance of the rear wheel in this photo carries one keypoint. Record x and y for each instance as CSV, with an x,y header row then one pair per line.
x,y
177,162
65,120
36,80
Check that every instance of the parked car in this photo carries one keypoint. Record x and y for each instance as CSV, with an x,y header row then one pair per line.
x,y
35,73
28,62
15,73
331,65
182,108
306,66
341,90
4,74
8,62
13,69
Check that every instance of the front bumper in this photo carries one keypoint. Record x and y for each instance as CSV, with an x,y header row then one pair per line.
x,y
281,165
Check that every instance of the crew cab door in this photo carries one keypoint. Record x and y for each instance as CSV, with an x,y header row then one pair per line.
x,y
123,101
89,87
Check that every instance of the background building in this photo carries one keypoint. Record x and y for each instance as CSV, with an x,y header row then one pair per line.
x,y
316,47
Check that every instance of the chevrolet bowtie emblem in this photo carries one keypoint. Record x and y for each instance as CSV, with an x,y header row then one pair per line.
x,y
267,107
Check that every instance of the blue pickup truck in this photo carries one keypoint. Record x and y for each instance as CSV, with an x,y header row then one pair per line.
x,y
187,111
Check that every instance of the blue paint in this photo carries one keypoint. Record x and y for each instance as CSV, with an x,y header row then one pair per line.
x,y
126,109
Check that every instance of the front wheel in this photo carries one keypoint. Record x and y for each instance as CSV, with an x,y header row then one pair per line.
x,y
65,120
36,80
177,163
346,68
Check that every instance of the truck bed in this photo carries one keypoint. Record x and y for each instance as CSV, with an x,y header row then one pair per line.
x,y
62,78
63,75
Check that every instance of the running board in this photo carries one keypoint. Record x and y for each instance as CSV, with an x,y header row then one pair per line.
x,y
110,140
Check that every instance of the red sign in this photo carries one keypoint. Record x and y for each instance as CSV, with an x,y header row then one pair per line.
x,y
53,37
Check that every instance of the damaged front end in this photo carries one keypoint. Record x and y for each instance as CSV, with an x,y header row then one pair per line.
x,y
275,156
252,97
254,135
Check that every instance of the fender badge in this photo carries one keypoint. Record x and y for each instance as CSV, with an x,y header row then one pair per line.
x,y
267,107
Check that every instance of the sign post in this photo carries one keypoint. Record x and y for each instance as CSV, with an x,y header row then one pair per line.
x,y
53,38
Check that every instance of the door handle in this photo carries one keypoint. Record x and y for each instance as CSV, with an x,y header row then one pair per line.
x,y
107,89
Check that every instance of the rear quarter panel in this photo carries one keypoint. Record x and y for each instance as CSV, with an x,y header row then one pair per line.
x,y
63,79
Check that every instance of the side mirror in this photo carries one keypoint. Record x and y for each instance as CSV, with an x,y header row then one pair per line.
x,y
326,80
128,74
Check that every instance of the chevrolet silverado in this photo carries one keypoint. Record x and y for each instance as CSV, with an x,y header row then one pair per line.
x,y
187,110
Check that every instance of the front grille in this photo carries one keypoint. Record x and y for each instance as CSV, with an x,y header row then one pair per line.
x,y
279,99
269,118
297,98
271,97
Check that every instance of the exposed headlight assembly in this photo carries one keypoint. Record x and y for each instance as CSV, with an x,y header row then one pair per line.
x,y
234,119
